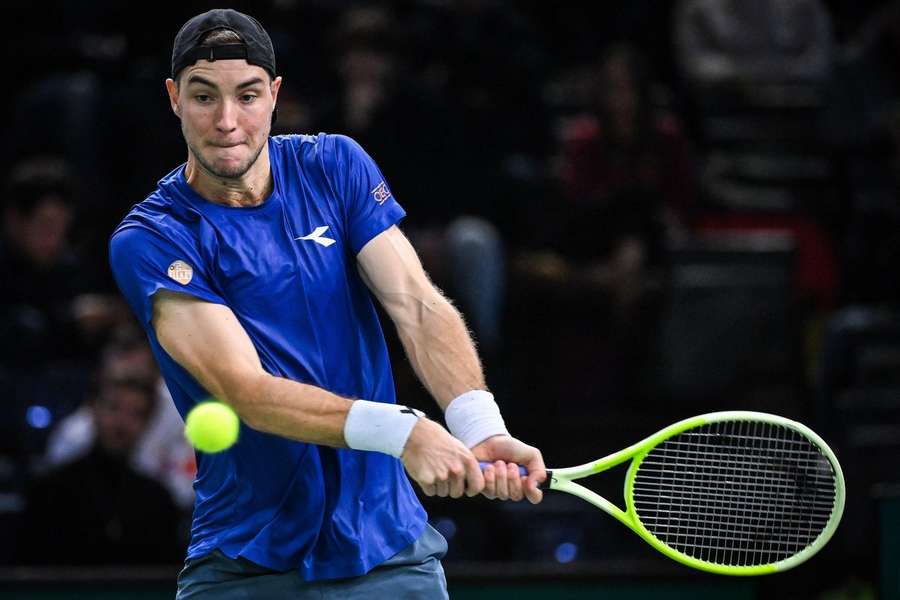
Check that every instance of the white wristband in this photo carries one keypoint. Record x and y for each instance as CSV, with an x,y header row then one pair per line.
x,y
379,427
474,417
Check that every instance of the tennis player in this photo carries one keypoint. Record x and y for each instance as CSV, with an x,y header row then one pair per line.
x,y
252,268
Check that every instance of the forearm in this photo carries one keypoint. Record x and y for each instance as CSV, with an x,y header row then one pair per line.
x,y
311,414
207,340
440,348
290,409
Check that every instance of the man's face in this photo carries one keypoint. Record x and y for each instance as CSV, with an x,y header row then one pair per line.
x,y
42,234
225,109
122,414
621,96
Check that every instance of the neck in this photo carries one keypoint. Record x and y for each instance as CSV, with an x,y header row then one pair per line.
x,y
250,189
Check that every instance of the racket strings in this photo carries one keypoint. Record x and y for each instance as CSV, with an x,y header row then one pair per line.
x,y
736,493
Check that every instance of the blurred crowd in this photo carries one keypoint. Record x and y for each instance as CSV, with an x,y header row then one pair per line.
x,y
642,208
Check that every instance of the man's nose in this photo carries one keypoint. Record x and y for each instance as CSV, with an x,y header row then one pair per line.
x,y
226,119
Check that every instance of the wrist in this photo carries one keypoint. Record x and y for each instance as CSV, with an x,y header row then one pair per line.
x,y
474,417
379,427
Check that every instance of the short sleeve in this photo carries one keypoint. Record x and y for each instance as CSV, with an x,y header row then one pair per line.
x,y
369,205
143,262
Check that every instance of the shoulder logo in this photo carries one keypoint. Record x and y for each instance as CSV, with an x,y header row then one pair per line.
x,y
317,236
181,272
381,193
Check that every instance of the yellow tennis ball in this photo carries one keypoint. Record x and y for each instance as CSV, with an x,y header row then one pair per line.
x,y
211,427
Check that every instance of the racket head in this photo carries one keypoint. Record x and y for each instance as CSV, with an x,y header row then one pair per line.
x,y
736,492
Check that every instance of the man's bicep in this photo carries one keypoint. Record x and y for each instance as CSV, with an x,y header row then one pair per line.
x,y
207,340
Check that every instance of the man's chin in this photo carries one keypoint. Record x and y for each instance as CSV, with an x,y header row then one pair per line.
x,y
230,164
228,169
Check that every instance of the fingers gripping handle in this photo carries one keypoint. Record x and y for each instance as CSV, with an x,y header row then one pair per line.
x,y
522,470
545,485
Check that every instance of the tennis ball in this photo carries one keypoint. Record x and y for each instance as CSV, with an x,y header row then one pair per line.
x,y
211,427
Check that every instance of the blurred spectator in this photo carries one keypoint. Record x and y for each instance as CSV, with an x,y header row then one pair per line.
x,y
489,59
47,311
765,41
98,509
418,142
161,451
625,143
408,129
593,286
627,186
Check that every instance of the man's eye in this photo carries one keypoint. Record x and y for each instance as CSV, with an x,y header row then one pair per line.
x,y
202,98
248,98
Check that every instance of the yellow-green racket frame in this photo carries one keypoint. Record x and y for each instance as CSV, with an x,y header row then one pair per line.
x,y
562,480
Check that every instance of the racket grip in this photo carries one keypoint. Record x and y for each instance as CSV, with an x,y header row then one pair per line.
x,y
522,470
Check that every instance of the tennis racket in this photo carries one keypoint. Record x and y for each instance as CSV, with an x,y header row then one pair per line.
x,y
734,493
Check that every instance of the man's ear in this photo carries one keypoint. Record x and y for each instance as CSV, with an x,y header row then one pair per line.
x,y
276,85
172,90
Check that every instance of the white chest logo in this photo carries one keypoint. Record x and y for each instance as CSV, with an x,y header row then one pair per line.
x,y
317,236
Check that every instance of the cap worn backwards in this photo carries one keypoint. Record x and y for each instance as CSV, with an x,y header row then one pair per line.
x,y
256,48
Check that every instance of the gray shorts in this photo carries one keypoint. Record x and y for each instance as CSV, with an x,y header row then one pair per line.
x,y
414,573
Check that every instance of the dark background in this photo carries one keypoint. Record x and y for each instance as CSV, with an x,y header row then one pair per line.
x,y
646,210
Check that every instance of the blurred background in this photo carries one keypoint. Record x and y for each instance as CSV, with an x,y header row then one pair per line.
x,y
645,209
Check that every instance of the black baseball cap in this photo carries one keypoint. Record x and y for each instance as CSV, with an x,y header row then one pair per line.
x,y
256,48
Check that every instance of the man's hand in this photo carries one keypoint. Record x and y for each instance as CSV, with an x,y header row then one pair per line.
x,y
502,478
439,463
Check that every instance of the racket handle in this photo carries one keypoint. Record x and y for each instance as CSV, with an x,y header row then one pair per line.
x,y
544,485
522,470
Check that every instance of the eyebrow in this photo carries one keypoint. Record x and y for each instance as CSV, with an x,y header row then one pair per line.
x,y
207,82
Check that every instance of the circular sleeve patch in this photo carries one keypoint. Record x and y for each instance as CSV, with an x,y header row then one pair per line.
x,y
181,272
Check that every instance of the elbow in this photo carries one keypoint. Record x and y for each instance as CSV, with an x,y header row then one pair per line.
x,y
242,395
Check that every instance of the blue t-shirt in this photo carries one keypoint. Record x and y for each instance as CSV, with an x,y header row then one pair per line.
x,y
287,269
